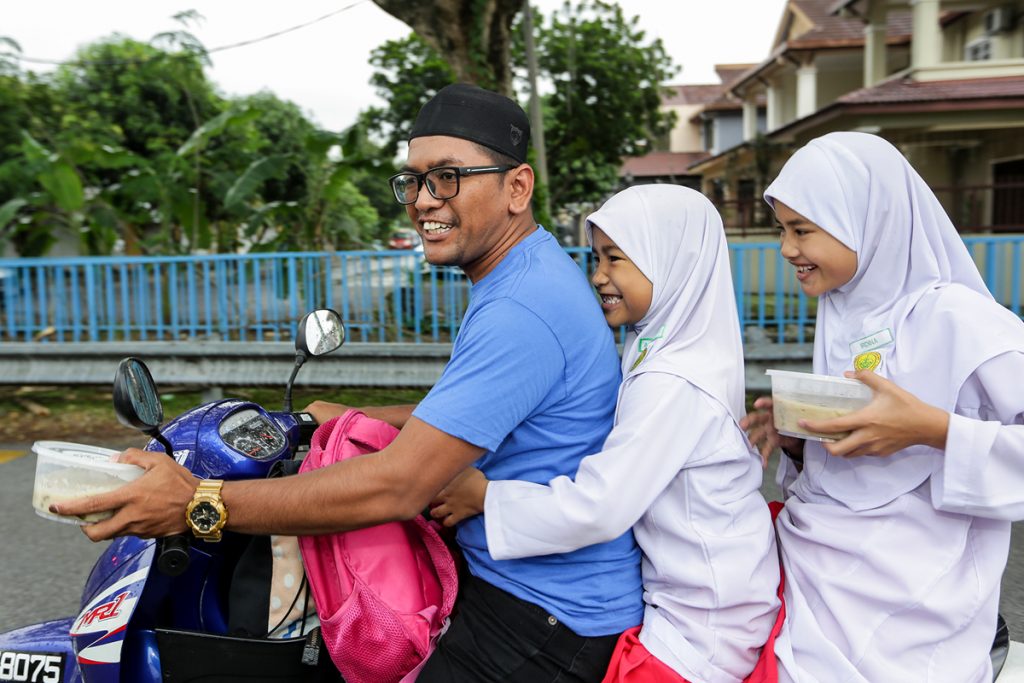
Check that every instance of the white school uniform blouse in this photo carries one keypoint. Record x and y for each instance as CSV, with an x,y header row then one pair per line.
x,y
909,591
893,564
676,468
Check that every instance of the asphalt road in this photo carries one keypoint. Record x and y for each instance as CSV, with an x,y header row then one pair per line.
x,y
44,564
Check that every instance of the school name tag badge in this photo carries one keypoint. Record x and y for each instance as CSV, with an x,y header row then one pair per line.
x,y
865,351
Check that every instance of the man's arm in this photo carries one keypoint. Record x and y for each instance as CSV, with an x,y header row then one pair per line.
x,y
396,416
396,483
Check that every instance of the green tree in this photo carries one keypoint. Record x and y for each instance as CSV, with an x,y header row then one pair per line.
x,y
372,164
607,97
28,105
473,36
135,95
131,142
605,105
408,73
299,192
130,110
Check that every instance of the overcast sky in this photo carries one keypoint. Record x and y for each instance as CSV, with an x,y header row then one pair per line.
x,y
324,67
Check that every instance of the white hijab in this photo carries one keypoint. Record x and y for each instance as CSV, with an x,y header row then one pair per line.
x,y
915,283
674,236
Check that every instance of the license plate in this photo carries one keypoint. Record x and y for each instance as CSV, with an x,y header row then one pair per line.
x,y
31,667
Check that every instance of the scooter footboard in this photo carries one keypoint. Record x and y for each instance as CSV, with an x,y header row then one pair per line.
x,y
189,656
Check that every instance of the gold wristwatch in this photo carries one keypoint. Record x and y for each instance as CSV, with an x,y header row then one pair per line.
x,y
206,514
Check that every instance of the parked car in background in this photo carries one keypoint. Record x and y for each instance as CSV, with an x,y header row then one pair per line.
x,y
404,239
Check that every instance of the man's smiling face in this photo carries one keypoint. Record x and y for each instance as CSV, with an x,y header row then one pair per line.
x,y
463,230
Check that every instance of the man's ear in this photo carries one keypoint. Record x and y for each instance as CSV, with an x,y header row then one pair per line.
x,y
520,181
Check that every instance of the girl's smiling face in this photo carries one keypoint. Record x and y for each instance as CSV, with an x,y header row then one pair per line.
x,y
624,291
822,262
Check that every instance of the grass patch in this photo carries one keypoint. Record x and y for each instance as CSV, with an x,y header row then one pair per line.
x,y
86,414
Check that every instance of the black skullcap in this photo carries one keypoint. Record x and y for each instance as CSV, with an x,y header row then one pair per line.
x,y
481,116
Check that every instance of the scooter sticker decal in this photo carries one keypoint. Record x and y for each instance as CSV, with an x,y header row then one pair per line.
x,y
106,617
105,612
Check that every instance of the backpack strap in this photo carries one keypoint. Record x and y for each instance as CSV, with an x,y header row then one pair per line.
x,y
354,429
366,434
441,557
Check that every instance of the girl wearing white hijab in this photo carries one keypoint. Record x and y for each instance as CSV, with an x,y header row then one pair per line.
x,y
676,466
893,563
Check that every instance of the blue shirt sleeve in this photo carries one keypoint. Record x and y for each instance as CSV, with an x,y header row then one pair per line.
x,y
505,364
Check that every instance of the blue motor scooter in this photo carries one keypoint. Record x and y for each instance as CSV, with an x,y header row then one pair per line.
x,y
169,609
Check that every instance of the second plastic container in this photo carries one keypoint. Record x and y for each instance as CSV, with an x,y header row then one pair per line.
x,y
806,396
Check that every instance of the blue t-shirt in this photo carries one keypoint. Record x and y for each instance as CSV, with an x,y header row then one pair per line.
x,y
533,378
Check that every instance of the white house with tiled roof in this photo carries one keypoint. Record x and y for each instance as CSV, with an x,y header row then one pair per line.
x,y
707,119
941,79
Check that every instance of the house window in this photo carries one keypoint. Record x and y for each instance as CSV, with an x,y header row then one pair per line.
x,y
663,143
1008,195
746,201
709,134
718,193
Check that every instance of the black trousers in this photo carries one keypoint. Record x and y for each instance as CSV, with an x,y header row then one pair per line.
x,y
495,636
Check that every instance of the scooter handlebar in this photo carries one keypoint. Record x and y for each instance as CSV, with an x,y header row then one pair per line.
x,y
307,425
172,555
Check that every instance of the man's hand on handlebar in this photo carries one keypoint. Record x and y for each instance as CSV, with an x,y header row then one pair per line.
x,y
396,416
322,411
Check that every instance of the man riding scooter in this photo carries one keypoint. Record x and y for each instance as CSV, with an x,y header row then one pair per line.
x,y
529,391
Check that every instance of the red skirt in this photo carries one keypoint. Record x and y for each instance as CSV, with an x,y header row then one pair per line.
x,y
632,663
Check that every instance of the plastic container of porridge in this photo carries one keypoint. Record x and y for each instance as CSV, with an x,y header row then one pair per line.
x,y
70,470
805,396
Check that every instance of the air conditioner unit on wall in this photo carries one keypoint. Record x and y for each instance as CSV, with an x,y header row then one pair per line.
x,y
978,50
999,19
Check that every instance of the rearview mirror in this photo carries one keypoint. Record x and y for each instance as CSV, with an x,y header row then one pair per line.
x,y
136,400
320,332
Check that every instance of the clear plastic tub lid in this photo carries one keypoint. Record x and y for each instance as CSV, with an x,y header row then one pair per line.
x,y
82,455
813,377
838,386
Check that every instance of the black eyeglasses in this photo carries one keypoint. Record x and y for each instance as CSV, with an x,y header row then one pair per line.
x,y
442,182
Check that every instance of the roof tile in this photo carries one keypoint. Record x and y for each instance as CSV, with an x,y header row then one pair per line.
x,y
906,90
693,94
832,28
661,164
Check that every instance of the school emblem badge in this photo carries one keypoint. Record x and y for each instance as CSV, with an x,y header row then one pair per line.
x,y
639,359
643,344
867,361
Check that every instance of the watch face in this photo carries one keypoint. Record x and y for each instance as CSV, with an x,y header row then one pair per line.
x,y
204,516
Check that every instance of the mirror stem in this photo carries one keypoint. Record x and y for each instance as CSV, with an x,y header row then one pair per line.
x,y
162,440
300,358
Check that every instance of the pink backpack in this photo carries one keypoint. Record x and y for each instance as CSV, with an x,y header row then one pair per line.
x,y
383,593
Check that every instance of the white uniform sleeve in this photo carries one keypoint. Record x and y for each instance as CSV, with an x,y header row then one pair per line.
x,y
660,425
982,471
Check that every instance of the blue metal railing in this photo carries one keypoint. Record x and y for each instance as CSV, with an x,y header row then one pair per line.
x,y
381,295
